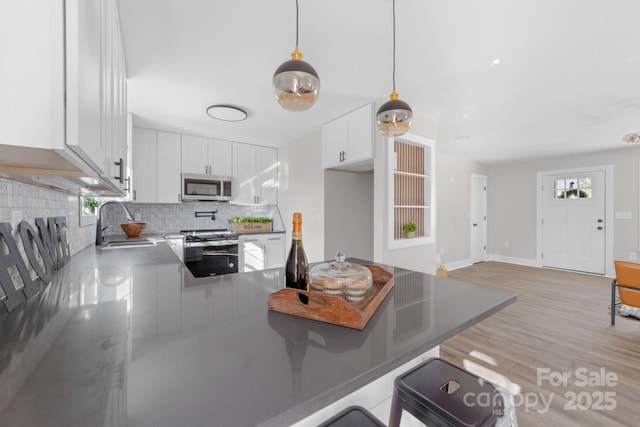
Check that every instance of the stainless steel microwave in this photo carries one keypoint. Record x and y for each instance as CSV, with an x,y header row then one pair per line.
x,y
206,187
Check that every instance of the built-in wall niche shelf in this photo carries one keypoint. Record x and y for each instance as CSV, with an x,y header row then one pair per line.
x,y
411,190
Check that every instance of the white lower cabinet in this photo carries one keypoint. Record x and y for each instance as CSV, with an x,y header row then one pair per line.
x,y
260,251
156,166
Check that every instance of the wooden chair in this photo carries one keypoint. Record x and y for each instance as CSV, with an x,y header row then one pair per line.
x,y
628,283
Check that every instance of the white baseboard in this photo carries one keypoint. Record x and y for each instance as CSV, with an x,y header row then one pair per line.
x,y
511,260
499,258
458,264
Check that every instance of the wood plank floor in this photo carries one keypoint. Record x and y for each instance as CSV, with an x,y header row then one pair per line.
x,y
561,324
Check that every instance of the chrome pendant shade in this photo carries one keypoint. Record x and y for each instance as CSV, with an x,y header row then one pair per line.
x,y
296,84
394,116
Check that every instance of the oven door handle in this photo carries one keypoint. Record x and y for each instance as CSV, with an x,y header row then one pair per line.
x,y
217,253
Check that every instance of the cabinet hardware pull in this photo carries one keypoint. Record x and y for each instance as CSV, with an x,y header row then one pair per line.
x,y
120,176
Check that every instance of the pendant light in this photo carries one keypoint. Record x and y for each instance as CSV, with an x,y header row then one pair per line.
x,y
296,84
394,116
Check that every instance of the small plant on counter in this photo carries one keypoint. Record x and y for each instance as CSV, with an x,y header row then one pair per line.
x,y
409,229
91,203
237,219
251,224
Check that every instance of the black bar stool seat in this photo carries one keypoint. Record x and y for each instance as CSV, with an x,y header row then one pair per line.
x,y
353,416
440,394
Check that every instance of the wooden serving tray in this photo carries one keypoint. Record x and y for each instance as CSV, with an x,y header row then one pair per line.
x,y
333,309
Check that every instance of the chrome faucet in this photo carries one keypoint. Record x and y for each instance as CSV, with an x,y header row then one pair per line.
x,y
99,229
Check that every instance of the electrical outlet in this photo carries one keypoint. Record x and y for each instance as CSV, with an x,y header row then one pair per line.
x,y
506,244
633,256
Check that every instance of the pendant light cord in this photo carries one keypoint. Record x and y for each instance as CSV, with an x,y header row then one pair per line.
x,y
394,45
297,22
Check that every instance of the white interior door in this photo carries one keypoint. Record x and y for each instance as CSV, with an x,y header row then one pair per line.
x,y
478,217
573,221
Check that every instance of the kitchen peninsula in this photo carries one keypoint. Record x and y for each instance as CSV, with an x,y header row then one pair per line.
x,y
130,337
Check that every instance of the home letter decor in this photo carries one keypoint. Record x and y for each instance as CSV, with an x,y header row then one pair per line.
x,y
13,259
29,235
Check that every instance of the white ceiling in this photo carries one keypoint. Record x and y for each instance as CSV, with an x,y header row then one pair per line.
x,y
567,81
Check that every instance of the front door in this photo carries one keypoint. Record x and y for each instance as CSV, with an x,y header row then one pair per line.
x,y
573,221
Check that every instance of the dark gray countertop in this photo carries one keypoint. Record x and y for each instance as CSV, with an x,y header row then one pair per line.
x,y
161,348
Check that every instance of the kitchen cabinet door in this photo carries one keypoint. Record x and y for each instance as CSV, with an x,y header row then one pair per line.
x,y
260,252
84,81
156,168
335,141
206,156
114,99
255,174
244,174
168,172
267,176
220,153
348,141
195,154
144,165
274,249
360,135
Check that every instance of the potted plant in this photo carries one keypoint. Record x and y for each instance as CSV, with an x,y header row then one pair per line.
x,y
409,229
251,224
90,204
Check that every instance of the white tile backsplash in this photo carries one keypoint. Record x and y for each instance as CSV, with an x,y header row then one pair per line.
x,y
20,201
171,218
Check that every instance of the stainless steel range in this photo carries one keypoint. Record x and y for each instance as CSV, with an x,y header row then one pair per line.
x,y
210,252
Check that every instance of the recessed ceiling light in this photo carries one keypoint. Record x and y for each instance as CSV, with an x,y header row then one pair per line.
x,y
465,116
633,137
496,61
228,113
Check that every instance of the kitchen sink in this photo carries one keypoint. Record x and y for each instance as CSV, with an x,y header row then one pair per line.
x,y
129,243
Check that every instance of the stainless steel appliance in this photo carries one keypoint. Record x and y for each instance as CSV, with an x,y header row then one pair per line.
x,y
210,252
206,187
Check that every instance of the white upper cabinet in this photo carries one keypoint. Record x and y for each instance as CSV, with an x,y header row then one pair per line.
x,y
84,81
255,174
144,167
206,156
66,89
156,166
220,154
195,154
114,98
348,141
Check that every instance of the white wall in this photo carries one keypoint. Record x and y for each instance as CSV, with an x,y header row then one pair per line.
x,y
301,189
348,214
512,201
418,258
454,206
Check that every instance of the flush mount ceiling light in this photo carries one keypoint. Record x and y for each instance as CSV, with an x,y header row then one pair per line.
x,y
632,138
228,113
394,116
296,84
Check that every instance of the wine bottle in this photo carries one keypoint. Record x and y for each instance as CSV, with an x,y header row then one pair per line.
x,y
297,267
